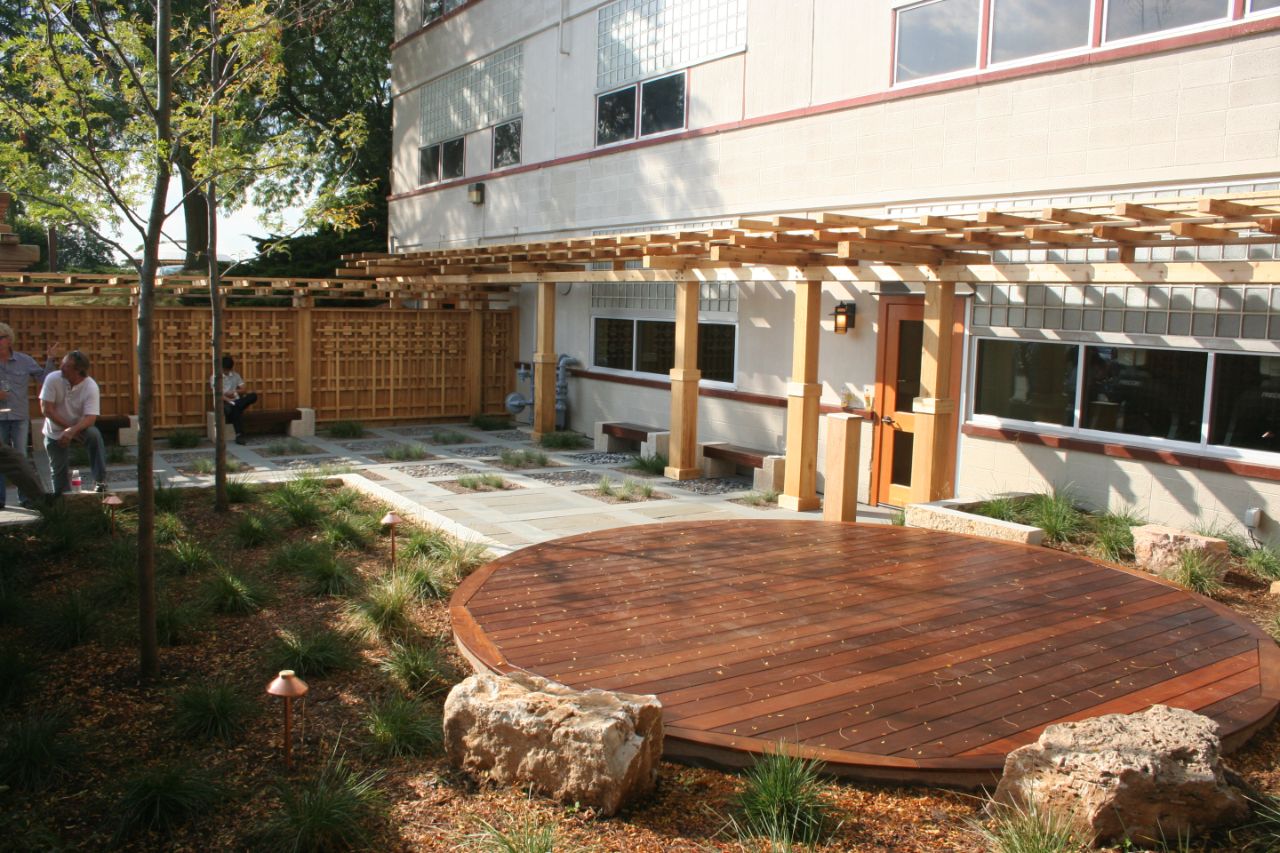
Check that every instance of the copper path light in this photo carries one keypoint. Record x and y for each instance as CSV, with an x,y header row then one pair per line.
x,y
289,686
391,520
112,502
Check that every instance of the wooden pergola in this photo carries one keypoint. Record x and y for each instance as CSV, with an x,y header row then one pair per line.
x,y
937,252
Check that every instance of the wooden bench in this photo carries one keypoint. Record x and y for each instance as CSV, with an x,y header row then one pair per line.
x,y
294,422
125,428
721,459
620,436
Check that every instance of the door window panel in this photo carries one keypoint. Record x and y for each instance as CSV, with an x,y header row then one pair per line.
x,y
910,347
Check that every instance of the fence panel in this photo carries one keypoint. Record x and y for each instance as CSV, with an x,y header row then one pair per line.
x,y
104,334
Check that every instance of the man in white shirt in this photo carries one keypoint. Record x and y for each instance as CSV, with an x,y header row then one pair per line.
x,y
69,402
234,398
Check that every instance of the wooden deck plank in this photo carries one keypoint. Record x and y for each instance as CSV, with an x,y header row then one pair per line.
x,y
889,653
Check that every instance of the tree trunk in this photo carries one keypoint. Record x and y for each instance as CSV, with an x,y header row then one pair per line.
x,y
195,213
53,248
221,502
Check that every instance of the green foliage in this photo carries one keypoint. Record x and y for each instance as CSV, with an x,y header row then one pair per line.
x,y
212,711
240,491
482,481
295,556
429,544
17,675
311,654
398,727
188,557
655,464
347,429
634,490
1014,829
1056,514
183,439
168,498
345,499
783,800
563,440
522,835
1197,572
118,585
169,528
57,528
605,487
256,529
1002,508
290,446
1113,536
160,799
233,594
36,749
428,579
448,436
333,811
461,557
1264,561
420,669
177,623
297,503
385,609
1266,823
1237,542
760,498
68,621
348,530
206,466
490,423
524,458
406,452
898,519
324,572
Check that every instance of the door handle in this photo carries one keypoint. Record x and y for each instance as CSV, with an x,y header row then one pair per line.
x,y
888,420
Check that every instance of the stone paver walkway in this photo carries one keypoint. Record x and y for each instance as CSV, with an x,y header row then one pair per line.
x,y
549,502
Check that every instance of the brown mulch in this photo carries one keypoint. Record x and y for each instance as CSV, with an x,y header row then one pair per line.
x,y
123,726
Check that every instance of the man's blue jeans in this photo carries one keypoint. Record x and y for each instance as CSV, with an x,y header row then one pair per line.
x,y
14,434
58,468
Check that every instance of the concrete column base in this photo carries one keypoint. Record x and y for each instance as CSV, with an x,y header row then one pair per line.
x,y
682,473
799,504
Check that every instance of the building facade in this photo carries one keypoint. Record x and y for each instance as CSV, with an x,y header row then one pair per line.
x,y
528,120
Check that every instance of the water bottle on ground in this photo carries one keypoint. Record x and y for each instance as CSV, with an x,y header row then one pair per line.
x,y
76,482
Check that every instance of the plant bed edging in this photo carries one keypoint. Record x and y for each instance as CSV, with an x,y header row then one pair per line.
x,y
951,516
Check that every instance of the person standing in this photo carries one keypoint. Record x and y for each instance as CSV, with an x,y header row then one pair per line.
x,y
234,398
17,369
70,404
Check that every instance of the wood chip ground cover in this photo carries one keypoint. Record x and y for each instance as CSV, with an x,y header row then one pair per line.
x,y
121,726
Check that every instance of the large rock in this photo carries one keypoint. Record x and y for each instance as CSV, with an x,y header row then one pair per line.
x,y
1152,777
1157,548
592,747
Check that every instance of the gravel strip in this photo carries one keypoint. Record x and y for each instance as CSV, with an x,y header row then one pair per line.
x,y
439,469
469,451
713,485
566,478
601,458
510,435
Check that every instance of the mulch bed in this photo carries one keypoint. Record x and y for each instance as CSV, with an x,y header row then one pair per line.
x,y
124,726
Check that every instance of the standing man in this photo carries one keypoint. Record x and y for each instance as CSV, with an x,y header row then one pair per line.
x,y
69,402
234,398
17,369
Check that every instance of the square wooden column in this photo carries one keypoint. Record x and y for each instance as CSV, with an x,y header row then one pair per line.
x,y
800,491
544,362
935,408
685,375
844,440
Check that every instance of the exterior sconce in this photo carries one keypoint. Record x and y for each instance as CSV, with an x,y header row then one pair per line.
x,y
391,520
111,502
844,315
288,686
475,193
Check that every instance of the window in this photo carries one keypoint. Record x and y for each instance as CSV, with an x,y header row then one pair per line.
x,y
662,109
1026,381
1259,5
936,38
1022,28
441,162
648,346
1246,402
1126,18
1149,392
506,144
435,9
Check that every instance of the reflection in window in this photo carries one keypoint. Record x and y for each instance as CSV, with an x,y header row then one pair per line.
x,y
649,346
715,350
1259,5
1027,381
1150,392
429,164
1127,18
662,105
452,164
1022,28
616,116
506,144
655,346
1246,401
937,37
614,343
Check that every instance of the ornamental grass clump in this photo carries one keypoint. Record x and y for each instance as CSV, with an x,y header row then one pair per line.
x,y
336,810
167,497
309,654
655,464
68,621
605,488
240,491
461,557
428,544
399,727
419,669
348,530
233,595
490,423
1113,535
634,490
160,799
564,440
36,749
297,503
183,439
523,458
347,429
344,499
406,452
188,557
1237,542
1056,514
168,528
482,481
429,580
527,834
384,611
1014,829
448,436
764,498
256,529
17,676
783,801
177,622
212,712
1265,562
1196,571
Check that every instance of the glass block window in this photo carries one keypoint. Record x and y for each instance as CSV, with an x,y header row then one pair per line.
x,y
484,93
716,297
642,38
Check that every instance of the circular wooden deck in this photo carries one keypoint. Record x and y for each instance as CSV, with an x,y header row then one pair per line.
x,y
890,653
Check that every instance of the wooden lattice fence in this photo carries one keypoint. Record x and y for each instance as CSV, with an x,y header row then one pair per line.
x,y
368,364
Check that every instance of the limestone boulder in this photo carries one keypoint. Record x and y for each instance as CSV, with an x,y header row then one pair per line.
x,y
1157,548
592,747
1151,777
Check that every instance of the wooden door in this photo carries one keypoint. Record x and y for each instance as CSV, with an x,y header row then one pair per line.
x,y
897,385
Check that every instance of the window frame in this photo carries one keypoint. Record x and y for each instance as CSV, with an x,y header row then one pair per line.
x,y
635,318
439,178
945,75
1172,32
493,144
1037,57
1202,447
638,110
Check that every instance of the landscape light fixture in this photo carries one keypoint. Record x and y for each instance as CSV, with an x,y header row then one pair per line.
x,y
475,193
111,502
391,520
289,686
844,315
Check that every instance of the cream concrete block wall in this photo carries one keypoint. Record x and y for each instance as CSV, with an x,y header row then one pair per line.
x,y
1164,494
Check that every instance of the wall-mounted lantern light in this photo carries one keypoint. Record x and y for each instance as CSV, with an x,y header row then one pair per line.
x,y
844,315
475,193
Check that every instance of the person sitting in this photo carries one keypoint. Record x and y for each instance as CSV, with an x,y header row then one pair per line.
x,y
69,401
234,398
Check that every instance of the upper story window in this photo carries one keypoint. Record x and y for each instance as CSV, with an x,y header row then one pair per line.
x,y
488,93
1260,5
506,144
443,161
661,109
1128,18
1022,28
435,9
937,37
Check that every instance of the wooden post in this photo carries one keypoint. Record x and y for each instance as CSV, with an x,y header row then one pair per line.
x,y
544,362
844,440
931,478
800,491
475,362
305,372
685,377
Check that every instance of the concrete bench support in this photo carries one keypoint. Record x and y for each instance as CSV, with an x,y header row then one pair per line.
x,y
613,437
299,422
